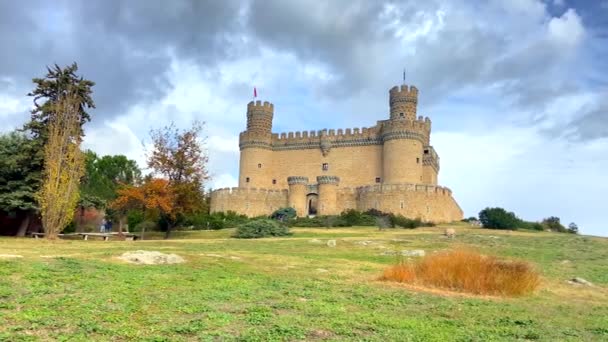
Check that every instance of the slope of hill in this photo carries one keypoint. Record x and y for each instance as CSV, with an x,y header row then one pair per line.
x,y
295,288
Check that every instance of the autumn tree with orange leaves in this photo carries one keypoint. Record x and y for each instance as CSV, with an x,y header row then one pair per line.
x,y
154,196
180,157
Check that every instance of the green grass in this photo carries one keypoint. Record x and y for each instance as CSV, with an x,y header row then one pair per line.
x,y
292,289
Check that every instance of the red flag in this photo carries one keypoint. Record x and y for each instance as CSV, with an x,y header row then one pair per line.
x,y
255,92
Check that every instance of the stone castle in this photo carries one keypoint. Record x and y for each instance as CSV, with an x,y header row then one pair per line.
x,y
391,167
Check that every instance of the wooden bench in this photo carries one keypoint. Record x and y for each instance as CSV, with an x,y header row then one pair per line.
x,y
85,236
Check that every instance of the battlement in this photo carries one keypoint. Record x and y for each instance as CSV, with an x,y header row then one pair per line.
x,y
237,191
439,190
403,93
259,105
328,179
297,180
419,129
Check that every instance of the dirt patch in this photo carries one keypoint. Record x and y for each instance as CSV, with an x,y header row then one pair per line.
x,y
151,258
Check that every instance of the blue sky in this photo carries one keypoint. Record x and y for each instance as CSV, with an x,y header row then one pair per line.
x,y
517,90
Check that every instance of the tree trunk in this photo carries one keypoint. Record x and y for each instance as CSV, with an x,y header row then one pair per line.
x,y
80,225
168,232
25,223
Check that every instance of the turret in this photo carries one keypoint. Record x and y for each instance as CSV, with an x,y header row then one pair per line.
x,y
403,101
298,186
328,194
259,117
255,166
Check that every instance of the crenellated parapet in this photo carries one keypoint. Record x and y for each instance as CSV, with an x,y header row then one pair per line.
x,y
240,191
328,179
403,102
419,129
326,138
430,158
434,189
297,180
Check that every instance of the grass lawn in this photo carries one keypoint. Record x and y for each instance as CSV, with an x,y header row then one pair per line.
x,y
294,288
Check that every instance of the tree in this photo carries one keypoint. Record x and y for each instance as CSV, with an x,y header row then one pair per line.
x,y
155,197
553,223
63,165
18,182
103,176
498,218
180,157
55,86
572,228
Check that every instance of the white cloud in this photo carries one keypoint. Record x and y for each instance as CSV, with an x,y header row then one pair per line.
x,y
567,30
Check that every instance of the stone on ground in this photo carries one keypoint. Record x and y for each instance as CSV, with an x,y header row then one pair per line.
x,y
331,243
579,281
151,258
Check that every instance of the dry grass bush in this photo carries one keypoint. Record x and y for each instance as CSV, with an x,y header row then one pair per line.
x,y
467,271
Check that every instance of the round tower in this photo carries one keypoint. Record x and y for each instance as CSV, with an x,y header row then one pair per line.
x,y
403,102
404,137
255,164
328,194
298,188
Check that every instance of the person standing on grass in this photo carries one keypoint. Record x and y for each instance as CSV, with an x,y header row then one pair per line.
x,y
109,226
102,226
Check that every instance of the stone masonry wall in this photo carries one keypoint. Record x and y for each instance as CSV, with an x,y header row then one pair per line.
x,y
251,202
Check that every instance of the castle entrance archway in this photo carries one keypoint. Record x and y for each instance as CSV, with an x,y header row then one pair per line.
x,y
311,203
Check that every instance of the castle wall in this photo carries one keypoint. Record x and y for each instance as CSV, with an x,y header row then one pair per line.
x,y
249,201
427,202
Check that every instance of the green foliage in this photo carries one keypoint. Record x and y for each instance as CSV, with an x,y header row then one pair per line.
x,y
146,226
404,222
531,225
498,218
284,214
469,219
354,217
572,228
50,89
219,220
134,217
103,176
261,228
19,175
554,224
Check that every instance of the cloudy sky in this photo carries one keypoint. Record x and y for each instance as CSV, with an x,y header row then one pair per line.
x,y
517,90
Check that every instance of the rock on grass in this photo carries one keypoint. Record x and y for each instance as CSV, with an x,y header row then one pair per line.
x,y
151,258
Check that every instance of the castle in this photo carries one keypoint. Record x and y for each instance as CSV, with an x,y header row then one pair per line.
x,y
391,167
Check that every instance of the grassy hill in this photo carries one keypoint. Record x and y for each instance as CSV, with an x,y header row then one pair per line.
x,y
294,288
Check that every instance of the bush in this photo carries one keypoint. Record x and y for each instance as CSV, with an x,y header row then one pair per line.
x,y
532,225
404,222
467,271
572,228
145,226
469,219
554,224
284,214
352,217
134,217
261,228
219,220
498,218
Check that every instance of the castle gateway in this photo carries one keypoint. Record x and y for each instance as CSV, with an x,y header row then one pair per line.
x,y
390,167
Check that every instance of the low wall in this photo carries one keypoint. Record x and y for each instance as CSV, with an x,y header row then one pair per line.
x,y
427,202
248,201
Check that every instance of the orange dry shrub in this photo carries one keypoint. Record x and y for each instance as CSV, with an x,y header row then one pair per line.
x,y
467,271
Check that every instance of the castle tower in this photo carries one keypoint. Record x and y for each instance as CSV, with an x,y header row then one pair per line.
x,y
297,194
255,146
403,102
404,137
328,194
